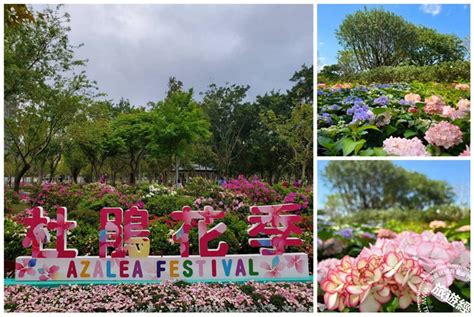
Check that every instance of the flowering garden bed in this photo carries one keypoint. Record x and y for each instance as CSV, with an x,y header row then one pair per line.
x,y
84,203
165,297
394,119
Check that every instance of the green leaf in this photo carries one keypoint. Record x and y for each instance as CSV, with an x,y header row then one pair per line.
x,y
377,111
378,151
349,146
368,152
367,127
326,142
409,133
390,129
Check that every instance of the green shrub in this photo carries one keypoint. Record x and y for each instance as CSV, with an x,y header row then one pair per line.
x,y
13,237
165,205
85,238
160,240
447,72
200,186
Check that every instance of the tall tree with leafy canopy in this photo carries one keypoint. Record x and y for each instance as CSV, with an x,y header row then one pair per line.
x,y
364,185
226,110
376,37
134,134
297,132
178,123
42,92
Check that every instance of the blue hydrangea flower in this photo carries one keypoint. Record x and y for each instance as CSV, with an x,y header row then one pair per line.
x,y
346,233
335,107
360,112
381,101
404,102
352,99
326,117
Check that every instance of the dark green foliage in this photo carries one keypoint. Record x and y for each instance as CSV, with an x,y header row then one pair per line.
x,y
164,205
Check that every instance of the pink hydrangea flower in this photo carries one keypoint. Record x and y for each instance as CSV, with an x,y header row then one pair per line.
x,y
404,147
369,281
325,266
462,86
413,98
466,152
444,134
433,105
464,105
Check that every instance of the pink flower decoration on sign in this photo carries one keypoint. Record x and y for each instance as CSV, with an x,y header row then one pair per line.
x,y
295,261
26,267
48,273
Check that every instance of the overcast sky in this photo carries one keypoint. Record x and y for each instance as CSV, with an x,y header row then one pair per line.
x,y
134,49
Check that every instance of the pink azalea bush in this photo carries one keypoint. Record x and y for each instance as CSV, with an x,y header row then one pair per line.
x,y
255,190
404,147
391,267
163,297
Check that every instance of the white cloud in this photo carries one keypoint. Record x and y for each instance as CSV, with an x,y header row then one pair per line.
x,y
433,9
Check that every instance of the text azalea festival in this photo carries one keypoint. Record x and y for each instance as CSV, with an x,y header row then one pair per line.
x,y
124,247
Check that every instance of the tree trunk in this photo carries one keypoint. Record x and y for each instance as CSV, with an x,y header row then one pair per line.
x,y
132,177
19,176
303,171
177,171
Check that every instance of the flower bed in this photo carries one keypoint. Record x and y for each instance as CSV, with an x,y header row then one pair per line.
x,y
394,119
165,297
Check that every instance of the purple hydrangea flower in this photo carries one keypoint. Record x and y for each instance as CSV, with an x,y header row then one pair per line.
x,y
326,117
346,233
381,101
360,112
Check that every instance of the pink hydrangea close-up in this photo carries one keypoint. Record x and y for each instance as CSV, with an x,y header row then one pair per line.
x,y
412,98
404,147
464,105
325,266
444,134
433,105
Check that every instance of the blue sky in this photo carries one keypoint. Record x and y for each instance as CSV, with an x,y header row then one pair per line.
x,y
455,172
446,18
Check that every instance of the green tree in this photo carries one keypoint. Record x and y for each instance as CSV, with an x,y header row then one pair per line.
x,y
133,132
431,47
365,185
302,90
297,132
42,94
179,123
376,37
75,160
226,111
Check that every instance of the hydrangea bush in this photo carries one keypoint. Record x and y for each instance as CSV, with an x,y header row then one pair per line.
x,y
394,119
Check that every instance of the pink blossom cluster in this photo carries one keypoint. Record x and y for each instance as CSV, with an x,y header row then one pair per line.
x,y
434,251
369,281
164,297
444,134
412,98
404,147
462,110
434,105
391,267
255,190
294,197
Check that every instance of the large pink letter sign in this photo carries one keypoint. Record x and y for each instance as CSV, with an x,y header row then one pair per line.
x,y
124,248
